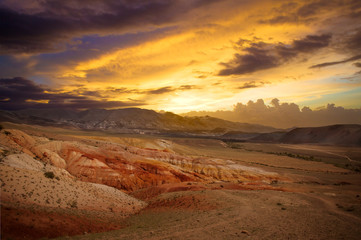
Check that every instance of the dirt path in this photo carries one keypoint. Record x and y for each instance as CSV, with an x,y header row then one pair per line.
x,y
313,148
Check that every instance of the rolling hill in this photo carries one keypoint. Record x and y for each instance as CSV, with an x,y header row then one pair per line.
x,y
340,134
349,135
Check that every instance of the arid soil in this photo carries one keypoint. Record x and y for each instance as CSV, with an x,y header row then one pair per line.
x,y
141,187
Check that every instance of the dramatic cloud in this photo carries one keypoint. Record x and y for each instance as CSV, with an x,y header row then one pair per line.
x,y
161,90
310,11
353,43
54,22
257,58
309,44
286,115
251,84
357,64
19,93
179,55
261,55
168,89
337,62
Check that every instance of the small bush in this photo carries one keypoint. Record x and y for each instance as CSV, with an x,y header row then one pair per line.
x,y
1,127
73,204
49,175
7,133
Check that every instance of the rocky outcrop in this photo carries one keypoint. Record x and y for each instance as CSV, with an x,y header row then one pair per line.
x,y
127,167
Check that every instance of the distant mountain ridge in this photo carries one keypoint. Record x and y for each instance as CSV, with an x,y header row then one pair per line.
x,y
349,134
339,134
129,120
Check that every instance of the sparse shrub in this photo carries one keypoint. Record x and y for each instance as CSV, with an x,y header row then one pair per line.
x,y
7,133
1,127
73,204
49,175
5,153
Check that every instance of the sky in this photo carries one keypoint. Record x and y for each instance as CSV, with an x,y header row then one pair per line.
x,y
180,55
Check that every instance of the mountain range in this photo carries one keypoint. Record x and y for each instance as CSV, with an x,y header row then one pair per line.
x,y
143,121
130,120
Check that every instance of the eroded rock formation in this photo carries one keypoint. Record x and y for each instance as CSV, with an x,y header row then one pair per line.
x,y
126,167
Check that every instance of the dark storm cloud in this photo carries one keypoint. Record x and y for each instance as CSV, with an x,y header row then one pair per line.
x,y
57,21
311,43
22,33
20,89
16,92
20,93
261,55
256,59
326,64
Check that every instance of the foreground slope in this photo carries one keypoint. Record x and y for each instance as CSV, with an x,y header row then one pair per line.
x,y
74,182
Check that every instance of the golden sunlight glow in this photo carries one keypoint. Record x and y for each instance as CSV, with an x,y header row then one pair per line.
x,y
45,101
194,55
126,60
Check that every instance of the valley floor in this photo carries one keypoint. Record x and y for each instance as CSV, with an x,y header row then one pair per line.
x,y
234,214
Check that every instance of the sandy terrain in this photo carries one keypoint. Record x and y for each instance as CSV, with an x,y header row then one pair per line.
x,y
229,214
232,193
